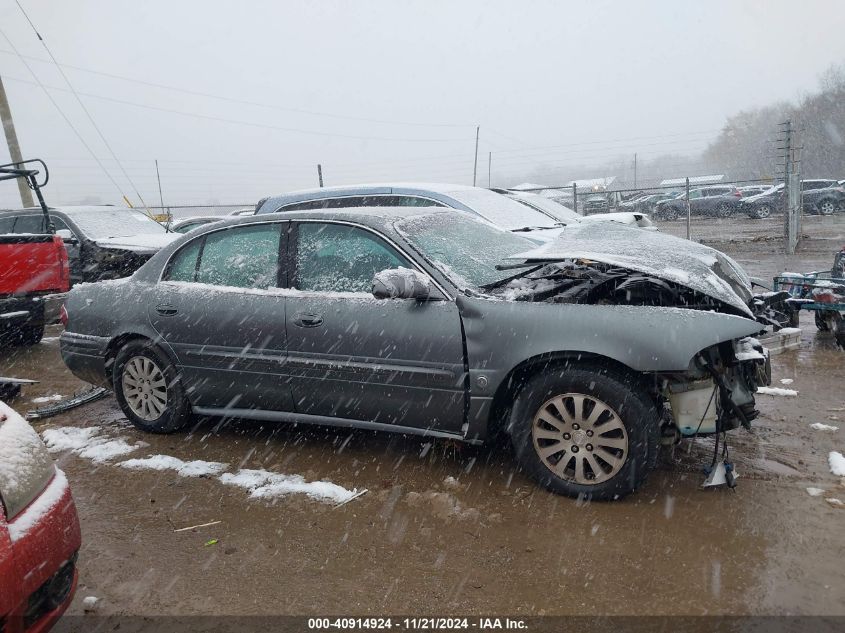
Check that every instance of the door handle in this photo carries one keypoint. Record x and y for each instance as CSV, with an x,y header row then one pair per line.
x,y
307,319
166,310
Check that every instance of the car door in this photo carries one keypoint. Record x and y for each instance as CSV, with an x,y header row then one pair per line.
x,y
352,356
697,202
220,310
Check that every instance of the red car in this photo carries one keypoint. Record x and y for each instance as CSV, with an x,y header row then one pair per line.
x,y
39,531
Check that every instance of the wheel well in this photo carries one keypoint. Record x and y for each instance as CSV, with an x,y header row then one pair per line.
x,y
512,383
114,347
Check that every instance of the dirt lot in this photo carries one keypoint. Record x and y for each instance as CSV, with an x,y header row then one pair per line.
x,y
489,542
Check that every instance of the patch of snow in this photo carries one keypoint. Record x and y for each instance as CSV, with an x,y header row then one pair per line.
x,y
263,484
195,468
837,463
786,381
815,492
40,506
89,603
776,391
818,426
87,442
188,287
836,503
745,349
524,288
790,330
55,397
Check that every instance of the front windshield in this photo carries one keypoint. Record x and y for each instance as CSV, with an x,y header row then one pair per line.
x,y
501,210
103,223
465,250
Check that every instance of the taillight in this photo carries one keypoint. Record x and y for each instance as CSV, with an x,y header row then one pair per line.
x,y
63,315
738,194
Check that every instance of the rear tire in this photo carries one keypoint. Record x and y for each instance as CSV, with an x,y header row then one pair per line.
x,y
148,389
761,213
604,426
724,210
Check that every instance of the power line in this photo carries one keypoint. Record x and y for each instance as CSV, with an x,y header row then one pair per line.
x,y
64,116
251,103
265,126
82,105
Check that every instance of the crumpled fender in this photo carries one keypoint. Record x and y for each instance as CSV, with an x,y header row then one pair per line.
x,y
646,339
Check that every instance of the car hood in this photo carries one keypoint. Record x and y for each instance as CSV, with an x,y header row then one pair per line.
x,y
698,267
141,244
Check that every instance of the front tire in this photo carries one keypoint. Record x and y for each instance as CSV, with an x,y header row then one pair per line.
x,y
827,207
588,432
148,389
724,210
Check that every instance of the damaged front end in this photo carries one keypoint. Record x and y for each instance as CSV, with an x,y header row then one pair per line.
x,y
714,394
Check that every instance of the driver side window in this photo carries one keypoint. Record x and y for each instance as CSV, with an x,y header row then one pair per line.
x,y
341,258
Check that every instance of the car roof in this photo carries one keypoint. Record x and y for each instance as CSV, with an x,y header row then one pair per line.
x,y
371,216
75,209
410,188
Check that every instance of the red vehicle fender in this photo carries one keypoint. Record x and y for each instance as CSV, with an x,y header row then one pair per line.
x,y
33,264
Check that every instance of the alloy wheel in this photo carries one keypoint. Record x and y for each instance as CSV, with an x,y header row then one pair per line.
x,y
144,388
764,211
827,207
580,438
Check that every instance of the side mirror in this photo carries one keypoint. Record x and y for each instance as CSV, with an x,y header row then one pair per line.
x,y
401,283
67,236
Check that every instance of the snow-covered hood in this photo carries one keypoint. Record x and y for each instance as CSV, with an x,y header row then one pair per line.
x,y
698,267
141,244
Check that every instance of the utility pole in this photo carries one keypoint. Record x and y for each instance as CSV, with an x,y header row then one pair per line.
x,y
689,211
475,164
320,174
489,169
635,170
14,148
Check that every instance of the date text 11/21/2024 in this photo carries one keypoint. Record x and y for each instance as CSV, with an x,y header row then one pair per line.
x,y
417,624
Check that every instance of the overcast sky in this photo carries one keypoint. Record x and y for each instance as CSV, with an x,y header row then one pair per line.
x,y
388,90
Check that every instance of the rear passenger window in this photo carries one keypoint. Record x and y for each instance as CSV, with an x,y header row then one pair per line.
x,y
183,266
243,257
6,225
240,257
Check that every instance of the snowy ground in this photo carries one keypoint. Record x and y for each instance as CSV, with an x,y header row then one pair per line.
x,y
442,524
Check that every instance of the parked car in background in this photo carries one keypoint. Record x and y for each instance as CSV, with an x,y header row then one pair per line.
x,y
810,184
648,202
753,190
718,201
497,209
186,224
102,242
816,200
39,531
595,203
566,216
409,323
